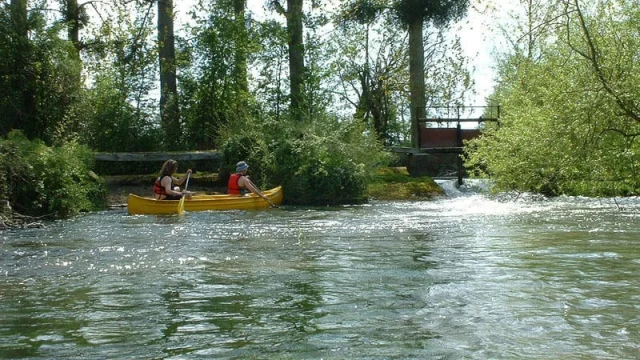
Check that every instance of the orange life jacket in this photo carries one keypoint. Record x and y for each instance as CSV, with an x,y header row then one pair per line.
x,y
232,185
159,189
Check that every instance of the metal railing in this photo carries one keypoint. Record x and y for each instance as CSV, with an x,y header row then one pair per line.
x,y
446,115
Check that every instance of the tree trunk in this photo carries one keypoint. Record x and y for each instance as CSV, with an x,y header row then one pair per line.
x,y
416,77
296,56
169,106
24,76
72,17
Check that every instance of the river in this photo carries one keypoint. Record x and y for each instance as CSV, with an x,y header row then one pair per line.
x,y
470,276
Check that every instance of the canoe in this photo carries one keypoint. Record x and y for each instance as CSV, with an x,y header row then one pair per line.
x,y
145,205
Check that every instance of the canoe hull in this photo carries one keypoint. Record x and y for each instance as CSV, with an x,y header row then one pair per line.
x,y
144,205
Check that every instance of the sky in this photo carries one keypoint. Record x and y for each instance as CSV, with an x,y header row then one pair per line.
x,y
475,36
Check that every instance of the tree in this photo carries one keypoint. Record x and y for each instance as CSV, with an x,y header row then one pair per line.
x,y
22,73
374,65
119,107
372,57
41,75
629,106
214,78
271,63
169,104
569,125
293,14
73,17
413,14
241,42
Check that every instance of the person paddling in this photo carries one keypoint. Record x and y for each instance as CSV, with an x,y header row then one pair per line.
x,y
166,186
239,183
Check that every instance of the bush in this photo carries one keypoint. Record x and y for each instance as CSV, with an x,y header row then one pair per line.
x,y
327,162
48,181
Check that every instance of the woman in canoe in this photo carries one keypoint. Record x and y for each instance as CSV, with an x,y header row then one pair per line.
x,y
167,187
239,183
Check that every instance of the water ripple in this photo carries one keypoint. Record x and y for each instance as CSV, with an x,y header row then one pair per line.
x,y
471,276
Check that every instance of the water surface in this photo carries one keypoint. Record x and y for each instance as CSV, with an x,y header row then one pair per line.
x,y
468,276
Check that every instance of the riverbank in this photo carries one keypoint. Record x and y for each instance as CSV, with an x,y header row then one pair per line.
x,y
392,183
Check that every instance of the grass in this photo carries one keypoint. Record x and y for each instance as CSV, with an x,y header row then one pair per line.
x,y
396,184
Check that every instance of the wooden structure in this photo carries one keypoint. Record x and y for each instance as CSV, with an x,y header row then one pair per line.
x,y
444,129
158,156
129,163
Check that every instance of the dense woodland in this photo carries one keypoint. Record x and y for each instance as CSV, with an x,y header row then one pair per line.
x,y
312,94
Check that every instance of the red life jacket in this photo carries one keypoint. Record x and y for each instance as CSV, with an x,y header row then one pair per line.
x,y
232,185
159,189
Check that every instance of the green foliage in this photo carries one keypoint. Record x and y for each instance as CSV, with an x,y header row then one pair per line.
x,y
440,12
118,110
41,77
318,163
48,181
111,123
565,129
213,89
271,65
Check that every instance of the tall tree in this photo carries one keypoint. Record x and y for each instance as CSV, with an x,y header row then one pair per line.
x,y
22,73
169,105
590,51
293,14
372,81
72,18
241,39
214,78
271,65
414,14
40,75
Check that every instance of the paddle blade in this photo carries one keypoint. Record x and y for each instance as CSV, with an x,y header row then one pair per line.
x,y
181,206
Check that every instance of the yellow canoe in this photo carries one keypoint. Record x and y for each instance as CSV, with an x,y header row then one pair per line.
x,y
144,205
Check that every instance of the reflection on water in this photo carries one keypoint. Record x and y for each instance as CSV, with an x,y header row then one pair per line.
x,y
469,276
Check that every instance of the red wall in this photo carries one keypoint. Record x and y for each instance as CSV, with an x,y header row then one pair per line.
x,y
444,137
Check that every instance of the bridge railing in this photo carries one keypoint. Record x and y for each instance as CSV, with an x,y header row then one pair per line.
x,y
470,113
129,163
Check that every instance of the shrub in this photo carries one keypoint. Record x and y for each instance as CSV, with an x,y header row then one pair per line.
x,y
327,162
48,181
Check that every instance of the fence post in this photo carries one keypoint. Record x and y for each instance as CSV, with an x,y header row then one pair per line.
x,y
419,131
459,157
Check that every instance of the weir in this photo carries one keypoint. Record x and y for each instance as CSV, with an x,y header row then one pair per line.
x,y
441,136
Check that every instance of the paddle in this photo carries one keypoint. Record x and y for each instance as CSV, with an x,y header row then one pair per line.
x,y
181,202
273,206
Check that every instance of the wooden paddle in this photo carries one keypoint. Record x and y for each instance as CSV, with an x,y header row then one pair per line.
x,y
181,202
273,206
